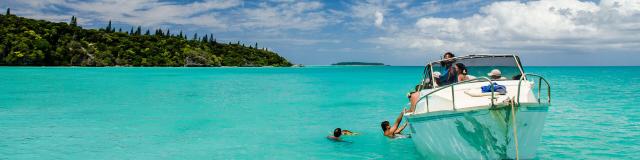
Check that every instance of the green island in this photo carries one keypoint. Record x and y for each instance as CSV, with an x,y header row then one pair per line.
x,y
358,64
30,42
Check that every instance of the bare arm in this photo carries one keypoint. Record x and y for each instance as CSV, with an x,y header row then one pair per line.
x,y
397,122
401,128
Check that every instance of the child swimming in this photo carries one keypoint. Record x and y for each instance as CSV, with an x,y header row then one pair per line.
x,y
336,135
339,132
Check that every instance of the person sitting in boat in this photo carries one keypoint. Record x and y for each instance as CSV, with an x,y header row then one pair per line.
x,y
495,74
462,72
516,77
413,98
392,131
436,76
336,135
448,72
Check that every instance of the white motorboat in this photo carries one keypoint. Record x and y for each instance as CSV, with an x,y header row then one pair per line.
x,y
457,120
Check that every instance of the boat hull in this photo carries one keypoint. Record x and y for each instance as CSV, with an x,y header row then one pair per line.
x,y
479,133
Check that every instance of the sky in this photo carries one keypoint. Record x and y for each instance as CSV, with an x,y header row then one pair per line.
x,y
406,33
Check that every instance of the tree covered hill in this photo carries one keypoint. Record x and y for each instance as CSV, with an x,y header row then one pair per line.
x,y
29,42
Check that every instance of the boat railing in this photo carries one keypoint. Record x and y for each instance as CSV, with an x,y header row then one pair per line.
x,y
540,80
485,79
453,97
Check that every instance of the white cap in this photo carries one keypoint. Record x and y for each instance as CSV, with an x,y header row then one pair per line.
x,y
436,74
495,72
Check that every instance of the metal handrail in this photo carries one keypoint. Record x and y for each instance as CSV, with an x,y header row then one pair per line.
x,y
485,79
540,79
453,102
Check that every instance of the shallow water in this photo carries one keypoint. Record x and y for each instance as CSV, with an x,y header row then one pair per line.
x,y
276,113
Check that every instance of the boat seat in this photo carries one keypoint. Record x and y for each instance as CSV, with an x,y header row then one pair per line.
x,y
478,93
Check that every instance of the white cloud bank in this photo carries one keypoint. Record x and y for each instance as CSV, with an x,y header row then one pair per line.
x,y
211,14
537,26
368,13
137,12
287,15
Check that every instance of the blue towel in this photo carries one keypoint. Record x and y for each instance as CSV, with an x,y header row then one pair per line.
x,y
497,88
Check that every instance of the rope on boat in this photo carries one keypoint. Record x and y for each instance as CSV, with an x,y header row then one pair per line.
x,y
515,131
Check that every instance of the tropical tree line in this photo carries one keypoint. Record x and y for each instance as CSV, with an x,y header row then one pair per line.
x,y
30,42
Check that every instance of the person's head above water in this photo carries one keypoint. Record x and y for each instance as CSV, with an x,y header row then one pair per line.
x,y
337,132
384,125
390,130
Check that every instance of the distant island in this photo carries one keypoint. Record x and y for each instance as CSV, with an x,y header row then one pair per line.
x,y
30,42
358,64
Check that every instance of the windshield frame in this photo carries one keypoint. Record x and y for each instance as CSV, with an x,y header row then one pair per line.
x,y
428,69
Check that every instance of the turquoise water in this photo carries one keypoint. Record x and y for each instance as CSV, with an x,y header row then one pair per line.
x,y
276,113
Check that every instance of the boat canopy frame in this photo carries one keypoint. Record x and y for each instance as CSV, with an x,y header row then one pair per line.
x,y
428,72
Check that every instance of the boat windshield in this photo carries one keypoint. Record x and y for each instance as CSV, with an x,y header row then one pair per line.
x,y
495,67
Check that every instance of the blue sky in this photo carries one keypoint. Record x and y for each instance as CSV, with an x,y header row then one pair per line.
x,y
547,32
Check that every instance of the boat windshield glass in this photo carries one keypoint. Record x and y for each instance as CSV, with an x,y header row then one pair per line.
x,y
492,67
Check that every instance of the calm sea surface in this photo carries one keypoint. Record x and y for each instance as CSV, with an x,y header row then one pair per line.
x,y
276,113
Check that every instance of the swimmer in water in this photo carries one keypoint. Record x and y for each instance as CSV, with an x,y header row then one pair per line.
x,y
392,131
336,135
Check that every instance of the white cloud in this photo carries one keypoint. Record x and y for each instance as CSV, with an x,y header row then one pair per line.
x,y
299,41
389,14
433,7
211,14
537,26
138,12
379,19
368,13
290,15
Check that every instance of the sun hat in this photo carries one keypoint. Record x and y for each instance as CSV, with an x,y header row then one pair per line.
x,y
494,72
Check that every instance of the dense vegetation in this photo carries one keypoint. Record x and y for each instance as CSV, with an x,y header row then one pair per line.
x,y
358,63
29,42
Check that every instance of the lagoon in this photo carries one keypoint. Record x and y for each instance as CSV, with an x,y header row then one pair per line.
x,y
276,113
